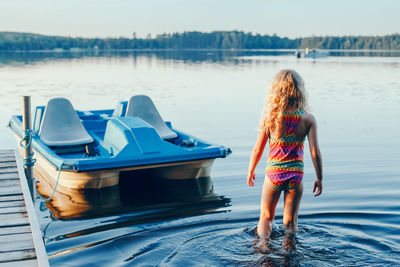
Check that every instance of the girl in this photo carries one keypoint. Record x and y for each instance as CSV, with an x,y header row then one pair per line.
x,y
286,124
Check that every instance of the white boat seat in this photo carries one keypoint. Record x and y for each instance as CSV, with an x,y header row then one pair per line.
x,y
61,125
141,106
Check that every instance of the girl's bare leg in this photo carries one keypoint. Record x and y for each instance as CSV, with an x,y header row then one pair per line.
x,y
269,199
291,206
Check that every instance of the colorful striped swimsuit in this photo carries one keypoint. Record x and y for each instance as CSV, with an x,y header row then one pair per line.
x,y
285,159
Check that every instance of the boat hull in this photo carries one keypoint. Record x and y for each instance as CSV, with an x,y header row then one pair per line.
x,y
110,177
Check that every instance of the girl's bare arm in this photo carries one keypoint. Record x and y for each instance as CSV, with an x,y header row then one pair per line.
x,y
315,155
256,156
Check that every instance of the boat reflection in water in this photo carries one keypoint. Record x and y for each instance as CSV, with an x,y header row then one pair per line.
x,y
136,192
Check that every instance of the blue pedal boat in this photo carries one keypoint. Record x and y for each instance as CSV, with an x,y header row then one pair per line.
x,y
89,149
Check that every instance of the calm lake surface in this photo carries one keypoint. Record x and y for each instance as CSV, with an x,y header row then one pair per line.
x,y
218,96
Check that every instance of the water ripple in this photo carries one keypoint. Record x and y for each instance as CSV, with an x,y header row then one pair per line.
x,y
323,239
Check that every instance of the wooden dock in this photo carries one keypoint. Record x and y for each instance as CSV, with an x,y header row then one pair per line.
x,y
21,242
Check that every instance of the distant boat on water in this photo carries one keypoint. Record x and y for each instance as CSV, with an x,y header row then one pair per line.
x,y
313,53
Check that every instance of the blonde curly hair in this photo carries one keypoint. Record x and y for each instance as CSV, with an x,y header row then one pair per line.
x,y
286,91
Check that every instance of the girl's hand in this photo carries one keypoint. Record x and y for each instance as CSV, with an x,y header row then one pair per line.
x,y
317,184
250,179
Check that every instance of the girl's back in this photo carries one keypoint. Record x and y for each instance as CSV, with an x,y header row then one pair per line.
x,y
285,158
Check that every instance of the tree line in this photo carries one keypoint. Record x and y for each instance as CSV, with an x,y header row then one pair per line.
x,y
12,41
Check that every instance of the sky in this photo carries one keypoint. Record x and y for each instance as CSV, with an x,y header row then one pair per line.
x,y
115,18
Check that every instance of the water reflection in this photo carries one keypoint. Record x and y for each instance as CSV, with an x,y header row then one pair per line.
x,y
186,56
137,192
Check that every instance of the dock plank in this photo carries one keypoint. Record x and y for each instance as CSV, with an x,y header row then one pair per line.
x,y
14,230
11,198
7,152
4,159
17,245
15,203
7,169
16,219
9,175
20,263
25,238
11,191
8,164
12,210
9,183
13,256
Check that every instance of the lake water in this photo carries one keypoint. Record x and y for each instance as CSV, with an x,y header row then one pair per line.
x,y
218,96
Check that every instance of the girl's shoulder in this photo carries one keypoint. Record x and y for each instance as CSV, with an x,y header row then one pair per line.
x,y
307,114
308,118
